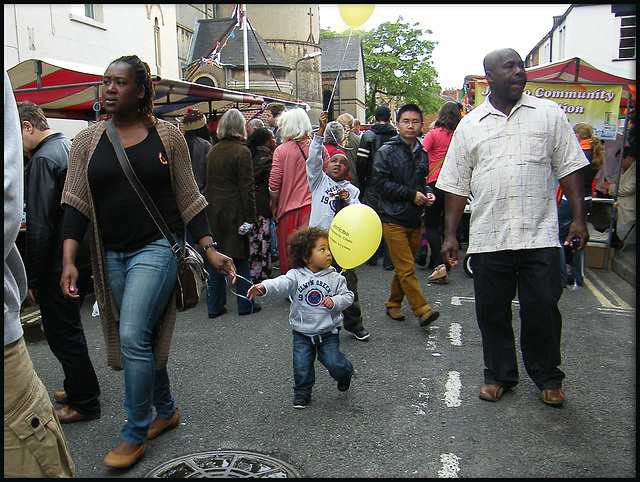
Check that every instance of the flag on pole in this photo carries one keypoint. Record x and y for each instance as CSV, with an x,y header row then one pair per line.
x,y
236,14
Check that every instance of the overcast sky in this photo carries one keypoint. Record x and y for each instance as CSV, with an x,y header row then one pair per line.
x,y
465,33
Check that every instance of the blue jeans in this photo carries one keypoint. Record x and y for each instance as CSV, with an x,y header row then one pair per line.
x,y
327,346
576,260
217,293
141,282
535,275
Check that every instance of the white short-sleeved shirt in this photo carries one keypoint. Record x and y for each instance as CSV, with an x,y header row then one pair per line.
x,y
509,165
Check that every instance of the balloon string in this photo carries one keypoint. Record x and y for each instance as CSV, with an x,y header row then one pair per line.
x,y
237,294
340,69
252,284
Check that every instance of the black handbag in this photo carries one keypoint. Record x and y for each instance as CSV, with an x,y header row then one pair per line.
x,y
192,274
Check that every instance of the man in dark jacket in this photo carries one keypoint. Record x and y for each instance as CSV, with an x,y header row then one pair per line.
x,y
370,142
44,179
399,172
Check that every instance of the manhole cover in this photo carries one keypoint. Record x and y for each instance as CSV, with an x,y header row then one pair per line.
x,y
224,464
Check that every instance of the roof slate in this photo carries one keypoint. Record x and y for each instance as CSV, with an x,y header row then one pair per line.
x,y
333,51
208,31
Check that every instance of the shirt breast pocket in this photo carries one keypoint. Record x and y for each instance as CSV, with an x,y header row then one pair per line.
x,y
535,147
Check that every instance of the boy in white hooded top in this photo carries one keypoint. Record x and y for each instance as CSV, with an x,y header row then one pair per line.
x,y
318,296
331,191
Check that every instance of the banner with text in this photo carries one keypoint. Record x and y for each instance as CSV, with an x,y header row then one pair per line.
x,y
597,105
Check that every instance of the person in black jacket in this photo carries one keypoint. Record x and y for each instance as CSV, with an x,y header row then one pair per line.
x,y
370,142
399,173
44,180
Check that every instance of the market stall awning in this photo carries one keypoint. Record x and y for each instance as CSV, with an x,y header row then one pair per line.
x,y
570,71
72,91
575,71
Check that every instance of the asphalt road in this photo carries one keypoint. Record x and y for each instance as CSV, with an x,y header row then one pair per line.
x,y
413,408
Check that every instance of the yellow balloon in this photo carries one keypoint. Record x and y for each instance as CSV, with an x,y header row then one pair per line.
x,y
354,235
355,14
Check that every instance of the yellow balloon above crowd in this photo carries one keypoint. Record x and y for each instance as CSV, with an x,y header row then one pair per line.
x,y
354,14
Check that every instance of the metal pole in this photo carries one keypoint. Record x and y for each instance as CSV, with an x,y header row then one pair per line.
x,y
614,211
246,46
297,61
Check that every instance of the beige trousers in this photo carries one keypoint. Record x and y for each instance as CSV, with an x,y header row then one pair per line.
x,y
34,444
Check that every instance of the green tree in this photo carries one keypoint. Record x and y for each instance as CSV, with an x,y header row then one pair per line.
x,y
398,66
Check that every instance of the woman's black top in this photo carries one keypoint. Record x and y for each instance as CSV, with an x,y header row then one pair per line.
x,y
125,224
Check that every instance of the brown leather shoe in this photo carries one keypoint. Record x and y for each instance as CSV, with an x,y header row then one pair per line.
x,y
552,396
69,415
123,461
428,317
61,397
491,393
395,313
159,425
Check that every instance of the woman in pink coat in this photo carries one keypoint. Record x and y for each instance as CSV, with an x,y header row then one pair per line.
x,y
436,143
288,186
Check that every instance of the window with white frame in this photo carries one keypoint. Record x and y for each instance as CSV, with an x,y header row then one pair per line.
x,y
627,46
88,14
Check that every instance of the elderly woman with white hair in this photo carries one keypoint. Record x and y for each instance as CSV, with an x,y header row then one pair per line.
x,y
288,185
231,196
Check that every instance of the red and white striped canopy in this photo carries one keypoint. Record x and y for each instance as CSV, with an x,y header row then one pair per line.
x,y
72,91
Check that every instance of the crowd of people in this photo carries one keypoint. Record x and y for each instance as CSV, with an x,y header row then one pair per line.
x,y
259,197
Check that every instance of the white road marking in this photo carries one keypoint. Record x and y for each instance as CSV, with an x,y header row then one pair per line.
x,y
423,399
431,342
452,390
450,466
617,311
457,300
455,334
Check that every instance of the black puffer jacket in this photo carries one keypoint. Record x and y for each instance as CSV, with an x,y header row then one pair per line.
x,y
370,142
398,174
44,180
261,170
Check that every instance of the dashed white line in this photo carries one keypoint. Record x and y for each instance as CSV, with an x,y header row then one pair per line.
x,y
423,400
450,466
452,390
455,334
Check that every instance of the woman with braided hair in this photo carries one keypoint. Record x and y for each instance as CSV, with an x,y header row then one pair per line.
x,y
350,145
134,268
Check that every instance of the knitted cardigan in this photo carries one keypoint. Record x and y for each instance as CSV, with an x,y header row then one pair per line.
x,y
77,193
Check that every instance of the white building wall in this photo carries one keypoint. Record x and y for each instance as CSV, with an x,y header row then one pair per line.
x,y
592,32
62,32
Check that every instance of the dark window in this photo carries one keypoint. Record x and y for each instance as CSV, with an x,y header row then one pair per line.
x,y
205,81
89,11
627,46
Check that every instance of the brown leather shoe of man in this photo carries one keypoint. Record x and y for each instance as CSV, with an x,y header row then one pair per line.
x,y
428,317
395,313
69,415
61,397
491,393
125,460
552,396
159,425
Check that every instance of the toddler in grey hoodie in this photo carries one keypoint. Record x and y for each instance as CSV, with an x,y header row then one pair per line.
x,y
318,295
